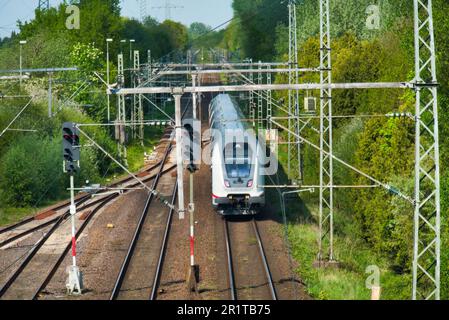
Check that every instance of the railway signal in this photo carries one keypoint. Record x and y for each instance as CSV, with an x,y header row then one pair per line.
x,y
70,147
191,143
71,153
192,155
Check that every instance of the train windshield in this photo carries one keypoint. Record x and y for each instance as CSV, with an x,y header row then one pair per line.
x,y
237,160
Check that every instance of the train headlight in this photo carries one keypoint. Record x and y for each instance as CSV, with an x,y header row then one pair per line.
x,y
250,183
227,184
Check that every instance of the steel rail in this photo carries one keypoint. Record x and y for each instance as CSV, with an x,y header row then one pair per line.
x,y
61,258
32,253
132,246
30,219
230,263
16,225
27,232
264,261
45,224
160,263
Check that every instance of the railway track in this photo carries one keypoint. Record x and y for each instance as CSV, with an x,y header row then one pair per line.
x,y
157,274
125,281
126,286
246,281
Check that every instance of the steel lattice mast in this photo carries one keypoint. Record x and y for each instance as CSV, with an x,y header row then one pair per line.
x,y
137,111
426,255
43,5
294,145
259,100
168,6
326,152
121,113
143,10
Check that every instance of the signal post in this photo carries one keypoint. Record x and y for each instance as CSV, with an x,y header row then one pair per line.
x,y
71,153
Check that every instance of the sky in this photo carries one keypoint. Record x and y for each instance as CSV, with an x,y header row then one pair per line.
x,y
211,12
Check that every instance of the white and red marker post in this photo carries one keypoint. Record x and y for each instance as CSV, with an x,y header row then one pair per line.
x,y
193,278
74,283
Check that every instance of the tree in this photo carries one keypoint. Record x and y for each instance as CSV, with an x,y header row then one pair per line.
x,y
150,22
198,29
177,34
258,21
100,19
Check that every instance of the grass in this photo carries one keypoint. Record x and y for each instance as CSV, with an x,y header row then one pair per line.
x,y
348,281
136,150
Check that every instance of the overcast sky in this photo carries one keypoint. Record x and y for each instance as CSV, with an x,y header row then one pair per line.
x,y
211,12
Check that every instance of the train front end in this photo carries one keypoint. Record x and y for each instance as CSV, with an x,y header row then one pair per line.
x,y
237,184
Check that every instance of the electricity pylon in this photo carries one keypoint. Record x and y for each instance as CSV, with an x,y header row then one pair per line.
x,y
168,6
294,144
426,254
326,210
143,9
43,5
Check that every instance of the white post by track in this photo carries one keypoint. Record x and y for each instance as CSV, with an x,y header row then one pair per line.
x,y
193,270
192,225
179,162
74,282
194,97
50,95
108,80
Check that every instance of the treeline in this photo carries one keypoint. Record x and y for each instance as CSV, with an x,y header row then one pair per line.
x,y
383,148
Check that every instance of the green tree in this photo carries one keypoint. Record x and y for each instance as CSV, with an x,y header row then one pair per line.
x,y
177,33
198,29
258,21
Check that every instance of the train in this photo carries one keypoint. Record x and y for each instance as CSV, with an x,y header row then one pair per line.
x,y
236,153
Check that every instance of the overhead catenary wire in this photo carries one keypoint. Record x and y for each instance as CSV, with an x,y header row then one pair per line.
x,y
152,191
17,116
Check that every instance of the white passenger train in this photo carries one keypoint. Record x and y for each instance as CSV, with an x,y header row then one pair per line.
x,y
237,176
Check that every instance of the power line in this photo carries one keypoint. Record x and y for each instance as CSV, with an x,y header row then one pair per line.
x,y
168,6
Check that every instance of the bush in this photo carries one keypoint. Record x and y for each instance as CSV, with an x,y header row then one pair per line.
x,y
31,171
30,168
